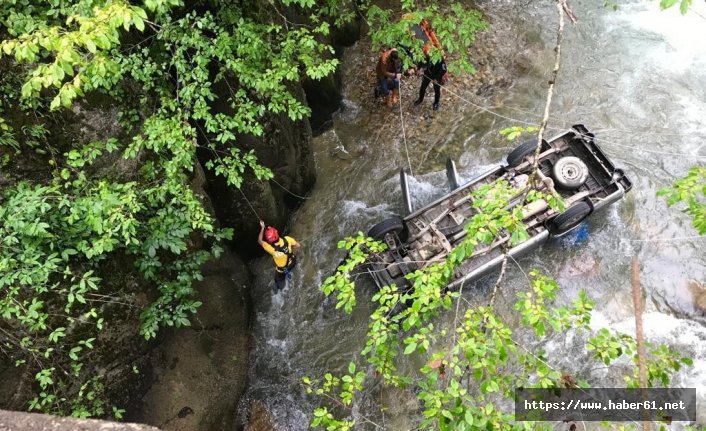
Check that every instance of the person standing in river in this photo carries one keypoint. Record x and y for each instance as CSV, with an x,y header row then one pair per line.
x,y
282,252
389,72
437,73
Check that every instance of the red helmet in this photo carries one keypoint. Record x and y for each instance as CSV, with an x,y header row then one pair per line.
x,y
271,235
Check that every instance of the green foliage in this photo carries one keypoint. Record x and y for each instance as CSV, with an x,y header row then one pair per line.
x,y
498,214
55,239
359,248
75,58
455,25
471,365
683,5
324,418
690,190
7,136
611,4
185,77
159,62
343,389
512,133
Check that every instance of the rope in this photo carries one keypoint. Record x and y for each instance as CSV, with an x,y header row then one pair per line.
x,y
668,153
677,239
286,190
404,134
249,204
568,124
219,158
483,108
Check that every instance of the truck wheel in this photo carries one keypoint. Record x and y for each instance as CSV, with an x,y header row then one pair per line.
x,y
570,218
391,225
570,172
518,155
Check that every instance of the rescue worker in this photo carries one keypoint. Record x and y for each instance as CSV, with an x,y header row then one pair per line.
x,y
282,252
389,72
437,73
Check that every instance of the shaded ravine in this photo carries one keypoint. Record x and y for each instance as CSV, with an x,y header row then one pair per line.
x,y
627,75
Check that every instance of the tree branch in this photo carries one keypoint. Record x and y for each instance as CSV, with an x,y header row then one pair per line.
x,y
561,8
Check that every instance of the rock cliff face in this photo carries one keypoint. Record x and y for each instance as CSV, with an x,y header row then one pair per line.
x,y
119,346
199,373
286,149
191,378
19,421
324,96
259,418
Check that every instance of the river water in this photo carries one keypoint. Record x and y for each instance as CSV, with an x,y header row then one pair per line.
x,y
636,77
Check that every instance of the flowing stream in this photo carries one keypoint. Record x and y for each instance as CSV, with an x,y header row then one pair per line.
x,y
636,77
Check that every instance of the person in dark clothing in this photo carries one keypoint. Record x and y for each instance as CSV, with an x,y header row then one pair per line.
x,y
433,72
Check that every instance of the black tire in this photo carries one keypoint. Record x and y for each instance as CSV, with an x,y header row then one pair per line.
x,y
391,225
570,172
570,218
518,155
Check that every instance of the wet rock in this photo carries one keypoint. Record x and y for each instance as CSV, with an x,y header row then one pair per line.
x,y
259,418
15,387
324,98
583,265
698,294
401,404
184,412
341,153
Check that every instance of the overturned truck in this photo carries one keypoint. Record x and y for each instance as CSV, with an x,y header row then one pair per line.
x,y
571,162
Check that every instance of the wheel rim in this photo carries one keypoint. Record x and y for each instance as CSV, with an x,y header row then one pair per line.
x,y
570,172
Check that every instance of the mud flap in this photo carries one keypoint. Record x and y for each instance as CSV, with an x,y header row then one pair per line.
x,y
451,174
404,183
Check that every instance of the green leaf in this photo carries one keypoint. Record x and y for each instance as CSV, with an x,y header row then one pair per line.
x,y
90,46
138,22
411,347
55,103
468,417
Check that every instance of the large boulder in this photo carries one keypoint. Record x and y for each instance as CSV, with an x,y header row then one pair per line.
x,y
198,373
